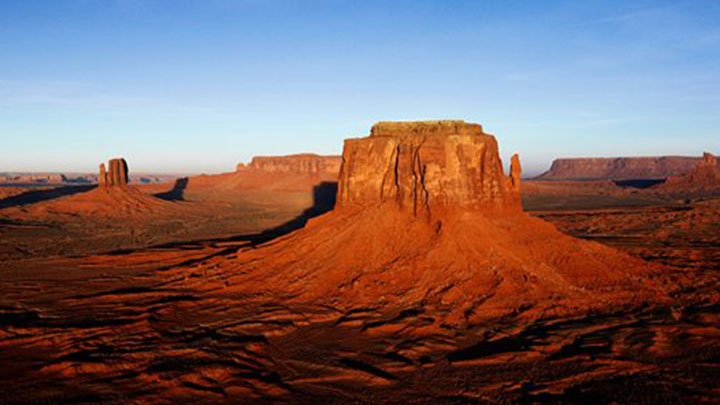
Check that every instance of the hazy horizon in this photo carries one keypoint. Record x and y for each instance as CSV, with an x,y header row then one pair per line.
x,y
199,86
527,173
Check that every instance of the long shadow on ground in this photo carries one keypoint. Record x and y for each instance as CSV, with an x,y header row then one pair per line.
x,y
638,183
324,195
36,196
323,201
177,193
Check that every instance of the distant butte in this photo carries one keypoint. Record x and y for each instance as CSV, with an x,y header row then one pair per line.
x,y
116,176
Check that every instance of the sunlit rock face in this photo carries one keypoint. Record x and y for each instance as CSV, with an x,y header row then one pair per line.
x,y
426,218
427,165
622,168
115,176
305,163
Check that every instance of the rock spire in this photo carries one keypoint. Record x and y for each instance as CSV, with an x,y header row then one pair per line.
x,y
115,176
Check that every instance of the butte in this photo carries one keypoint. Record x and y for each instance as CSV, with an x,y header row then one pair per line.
x,y
112,198
426,219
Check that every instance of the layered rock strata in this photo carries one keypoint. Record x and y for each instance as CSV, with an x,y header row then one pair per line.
x,y
422,166
297,164
624,168
704,178
426,219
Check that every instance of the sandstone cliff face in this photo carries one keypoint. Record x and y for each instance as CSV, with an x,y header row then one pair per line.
x,y
425,218
102,176
116,176
630,168
296,164
422,166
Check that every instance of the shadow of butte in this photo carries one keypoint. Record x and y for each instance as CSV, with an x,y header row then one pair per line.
x,y
36,196
177,193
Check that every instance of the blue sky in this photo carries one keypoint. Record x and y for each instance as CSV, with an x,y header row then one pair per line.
x,y
199,85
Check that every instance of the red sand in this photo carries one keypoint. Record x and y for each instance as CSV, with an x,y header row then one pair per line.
x,y
427,283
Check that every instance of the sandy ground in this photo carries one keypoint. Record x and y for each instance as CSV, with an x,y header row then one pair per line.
x,y
115,308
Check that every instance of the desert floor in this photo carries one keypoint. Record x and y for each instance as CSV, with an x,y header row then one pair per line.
x,y
123,305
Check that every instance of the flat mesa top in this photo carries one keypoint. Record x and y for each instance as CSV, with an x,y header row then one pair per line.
x,y
425,128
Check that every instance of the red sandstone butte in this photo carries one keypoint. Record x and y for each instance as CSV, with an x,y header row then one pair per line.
x,y
113,199
426,218
116,176
425,165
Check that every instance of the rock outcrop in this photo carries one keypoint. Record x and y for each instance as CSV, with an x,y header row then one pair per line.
x,y
423,166
622,168
295,180
297,164
116,176
102,176
709,159
703,179
427,220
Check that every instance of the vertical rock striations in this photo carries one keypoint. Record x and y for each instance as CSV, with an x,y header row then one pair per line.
x,y
102,176
515,172
514,190
427,165
115,176
426,218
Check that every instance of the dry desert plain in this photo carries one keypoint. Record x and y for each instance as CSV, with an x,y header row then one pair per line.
x,y
411,269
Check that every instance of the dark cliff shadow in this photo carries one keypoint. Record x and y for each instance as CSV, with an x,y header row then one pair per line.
x,y
638,183
36,196
323,201
177,193
78,180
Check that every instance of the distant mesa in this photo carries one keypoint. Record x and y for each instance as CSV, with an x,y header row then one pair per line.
x,y
427,165
116,176
305,163
35,178
293,173
620,168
